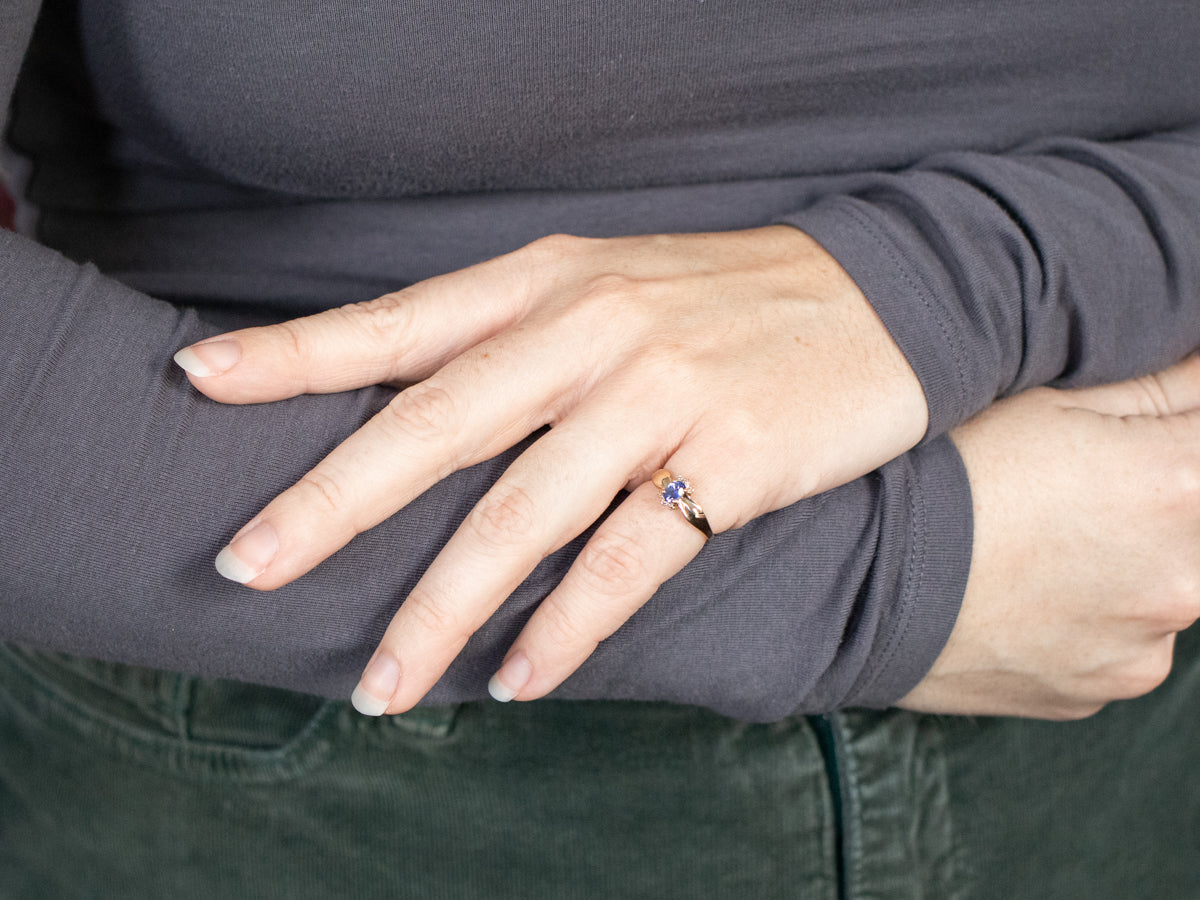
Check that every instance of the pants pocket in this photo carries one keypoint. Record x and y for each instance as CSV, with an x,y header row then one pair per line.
x,y
192,727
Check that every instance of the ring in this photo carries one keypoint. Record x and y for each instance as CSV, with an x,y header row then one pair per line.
x,y
677,494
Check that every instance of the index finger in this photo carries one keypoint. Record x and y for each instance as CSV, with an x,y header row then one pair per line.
x,y
477,406
402,336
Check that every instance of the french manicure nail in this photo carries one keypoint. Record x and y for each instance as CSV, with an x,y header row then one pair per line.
x,y
209,358
378,683
513,675
248,554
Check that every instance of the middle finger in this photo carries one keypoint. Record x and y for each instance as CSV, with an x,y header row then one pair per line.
x,y
551,493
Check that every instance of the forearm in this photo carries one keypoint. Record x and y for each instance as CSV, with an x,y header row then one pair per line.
x,y
116,499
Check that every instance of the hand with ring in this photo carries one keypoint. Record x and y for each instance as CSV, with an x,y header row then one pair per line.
x,y
748,361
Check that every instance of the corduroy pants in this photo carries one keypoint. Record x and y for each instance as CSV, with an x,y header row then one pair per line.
x,y
120,782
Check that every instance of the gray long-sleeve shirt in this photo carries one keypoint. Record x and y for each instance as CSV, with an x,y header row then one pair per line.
x,y
1015,186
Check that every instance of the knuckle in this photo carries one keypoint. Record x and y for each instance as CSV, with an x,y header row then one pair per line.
x,y
1153,399
748,432
336,512
295,339
565,632
554,246
424,411
503,516
435,614
611,301
614,288
1180,607
540,262
382,320
324,491
1147,674
667,361
1184,487
614,296
1137,675
613,563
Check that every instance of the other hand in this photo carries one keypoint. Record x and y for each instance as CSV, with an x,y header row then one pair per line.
x,y
748,362
1086,555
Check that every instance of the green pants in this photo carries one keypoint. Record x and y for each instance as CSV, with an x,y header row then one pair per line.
x,y
127,783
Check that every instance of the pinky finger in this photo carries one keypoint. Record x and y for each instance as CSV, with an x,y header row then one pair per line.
x,y
634,551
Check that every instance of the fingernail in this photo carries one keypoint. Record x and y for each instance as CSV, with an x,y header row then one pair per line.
x,y
377,685
211,358
249,554
513,676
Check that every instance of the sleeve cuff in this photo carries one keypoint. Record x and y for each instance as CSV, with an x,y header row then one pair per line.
x,y
914,630
879,262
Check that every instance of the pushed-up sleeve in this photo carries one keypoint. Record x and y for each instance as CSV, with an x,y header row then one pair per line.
x,y
1066,262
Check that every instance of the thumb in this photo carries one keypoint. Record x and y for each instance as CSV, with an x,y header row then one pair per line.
x,y
1172,391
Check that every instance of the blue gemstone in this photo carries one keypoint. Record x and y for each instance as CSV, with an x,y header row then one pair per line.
x,y
674,491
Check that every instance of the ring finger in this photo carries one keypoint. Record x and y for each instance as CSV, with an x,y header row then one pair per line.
x,y
634,551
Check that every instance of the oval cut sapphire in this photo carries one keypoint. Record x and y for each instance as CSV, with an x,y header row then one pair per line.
x,y
674,491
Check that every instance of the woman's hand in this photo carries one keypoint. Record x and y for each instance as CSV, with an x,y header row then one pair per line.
x,y
1086,551
748,362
